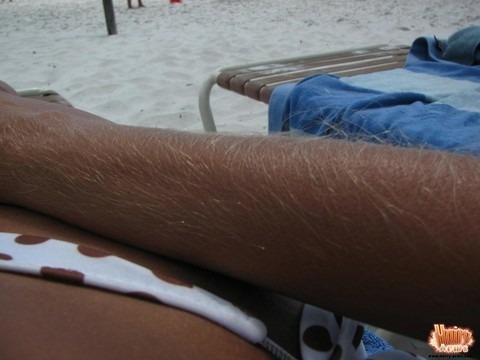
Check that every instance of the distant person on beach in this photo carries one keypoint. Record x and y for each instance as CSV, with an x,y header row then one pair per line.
x,y
139,4
385,235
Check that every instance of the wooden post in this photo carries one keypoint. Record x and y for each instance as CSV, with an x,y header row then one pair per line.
x,y
110,17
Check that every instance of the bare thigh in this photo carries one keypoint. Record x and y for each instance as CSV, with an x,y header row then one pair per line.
x,y
45,320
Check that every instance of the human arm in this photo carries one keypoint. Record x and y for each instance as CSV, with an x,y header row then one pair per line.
x,y
377,233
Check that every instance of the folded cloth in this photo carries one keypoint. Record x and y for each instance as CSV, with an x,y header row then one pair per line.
x,y
431,103
427,56
464,46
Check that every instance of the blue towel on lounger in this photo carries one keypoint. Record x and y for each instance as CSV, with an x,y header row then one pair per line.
x,y
373,343
432,103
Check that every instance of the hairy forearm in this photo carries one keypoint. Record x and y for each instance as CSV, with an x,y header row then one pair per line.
x,y
317,219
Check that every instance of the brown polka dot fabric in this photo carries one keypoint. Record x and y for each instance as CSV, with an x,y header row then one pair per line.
x,y
30,240
323,335
63,261
171,280
91,252
70,276
5,257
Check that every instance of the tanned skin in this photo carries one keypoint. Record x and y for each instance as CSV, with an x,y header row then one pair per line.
x,y
384,235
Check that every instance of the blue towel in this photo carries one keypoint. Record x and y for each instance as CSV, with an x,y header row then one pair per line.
x,y
374,343
432,103
426,56
464,46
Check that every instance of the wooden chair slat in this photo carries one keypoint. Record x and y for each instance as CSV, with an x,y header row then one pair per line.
x,y
252,87
275,72
257,81
264,93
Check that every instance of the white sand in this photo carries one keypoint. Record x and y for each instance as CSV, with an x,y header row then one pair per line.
x,y
150,73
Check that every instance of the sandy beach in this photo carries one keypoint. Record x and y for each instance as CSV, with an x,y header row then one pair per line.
x,y
150,73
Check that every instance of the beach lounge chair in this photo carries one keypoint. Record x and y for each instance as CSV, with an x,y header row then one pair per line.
x,y
429,102
258,80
